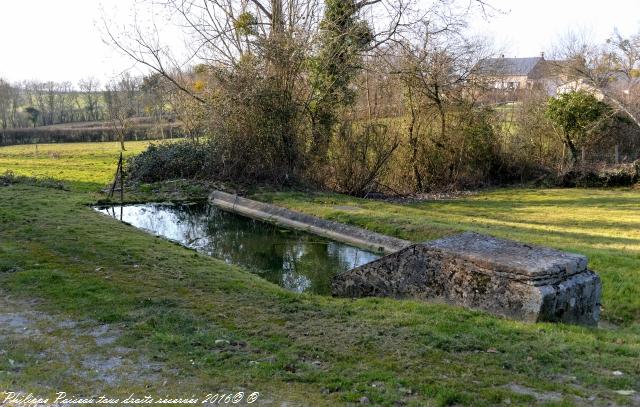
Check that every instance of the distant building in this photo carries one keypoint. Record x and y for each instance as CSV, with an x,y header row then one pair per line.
x,y
514,74
580,85
618,84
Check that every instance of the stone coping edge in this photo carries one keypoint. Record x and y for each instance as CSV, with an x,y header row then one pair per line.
x,y
340,232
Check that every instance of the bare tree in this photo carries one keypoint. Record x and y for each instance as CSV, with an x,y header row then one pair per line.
x,y
63,102
154,94
119,98
599,66
191,114
38,98
16,97
626,53
6,91
89,98
626,60
222,32
437,72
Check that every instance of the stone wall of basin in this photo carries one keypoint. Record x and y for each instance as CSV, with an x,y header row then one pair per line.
x,y
503,277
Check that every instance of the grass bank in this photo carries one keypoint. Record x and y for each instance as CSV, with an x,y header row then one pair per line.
x,y
93,306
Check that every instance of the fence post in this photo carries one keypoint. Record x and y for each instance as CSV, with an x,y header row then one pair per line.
x,y
617,154
115,178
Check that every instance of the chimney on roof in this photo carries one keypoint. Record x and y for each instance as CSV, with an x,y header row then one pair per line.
x,y
502,56
542,55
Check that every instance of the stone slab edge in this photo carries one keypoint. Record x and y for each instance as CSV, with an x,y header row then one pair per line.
x,y
296,220
565,264
429,273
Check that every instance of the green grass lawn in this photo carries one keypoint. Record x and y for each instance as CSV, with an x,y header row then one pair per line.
x,y
92,306
86,165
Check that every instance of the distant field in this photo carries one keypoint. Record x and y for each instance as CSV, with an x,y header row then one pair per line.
x,y
89,162
97,131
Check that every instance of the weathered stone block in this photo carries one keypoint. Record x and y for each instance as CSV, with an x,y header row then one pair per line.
x,y
506,278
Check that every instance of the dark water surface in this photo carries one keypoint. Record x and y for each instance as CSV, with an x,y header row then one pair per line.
x,y
295,260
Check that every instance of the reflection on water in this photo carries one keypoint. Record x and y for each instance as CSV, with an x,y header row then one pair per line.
x,y
295,260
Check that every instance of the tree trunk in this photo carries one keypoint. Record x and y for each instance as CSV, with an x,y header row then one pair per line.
x,y
443,117
277,19
413,142
622,108
572,148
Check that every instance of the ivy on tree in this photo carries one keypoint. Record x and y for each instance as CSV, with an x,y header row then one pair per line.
x,y
343,38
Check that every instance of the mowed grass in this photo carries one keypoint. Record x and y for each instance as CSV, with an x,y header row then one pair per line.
x,y
172,306
602,224
84,164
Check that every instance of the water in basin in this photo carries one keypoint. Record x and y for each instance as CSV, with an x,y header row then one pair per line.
x,y
295,260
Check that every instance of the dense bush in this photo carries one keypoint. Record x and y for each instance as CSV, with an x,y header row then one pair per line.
x,y
359,156
575,114
468,155
531,142
256,129
606,176
183,159
405,118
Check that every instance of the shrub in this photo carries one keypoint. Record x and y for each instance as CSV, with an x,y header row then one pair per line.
x,y
575,113
359,156
607,176
468,156
256,128
183,159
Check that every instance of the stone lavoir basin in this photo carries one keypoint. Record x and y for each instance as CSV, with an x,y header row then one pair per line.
x,y
295,260
304,253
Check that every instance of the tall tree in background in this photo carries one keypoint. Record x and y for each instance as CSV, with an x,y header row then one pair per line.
x,y
89,98
343,38
34,114
576,113
599,66
119,98
154,99
5,103
436,69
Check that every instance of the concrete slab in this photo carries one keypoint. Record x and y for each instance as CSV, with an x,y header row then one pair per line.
x,y
340,232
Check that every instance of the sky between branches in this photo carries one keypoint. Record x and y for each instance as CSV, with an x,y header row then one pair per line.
x,y
61,40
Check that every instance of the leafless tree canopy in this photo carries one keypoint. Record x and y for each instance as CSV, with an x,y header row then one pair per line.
x,y
610,68
222,32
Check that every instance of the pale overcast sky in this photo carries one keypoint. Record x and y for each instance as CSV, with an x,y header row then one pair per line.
x,y
60,40
529,27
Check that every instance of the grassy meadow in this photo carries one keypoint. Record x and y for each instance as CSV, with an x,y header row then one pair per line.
x,y
89,305
85,165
